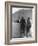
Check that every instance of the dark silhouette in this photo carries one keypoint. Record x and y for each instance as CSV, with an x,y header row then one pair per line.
x,y
28,26
22,26
17,21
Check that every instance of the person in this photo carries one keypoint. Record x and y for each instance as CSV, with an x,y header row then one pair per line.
x,y
22,26
28,26
17,20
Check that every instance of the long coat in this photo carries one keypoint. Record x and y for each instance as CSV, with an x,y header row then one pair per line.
x,y
22,25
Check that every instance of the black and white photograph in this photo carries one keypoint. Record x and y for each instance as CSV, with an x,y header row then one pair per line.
x,y
21,22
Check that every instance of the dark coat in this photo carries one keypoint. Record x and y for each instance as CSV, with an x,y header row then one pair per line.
x,y
28,25
22,24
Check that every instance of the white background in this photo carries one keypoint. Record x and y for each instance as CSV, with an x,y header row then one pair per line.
x,y
2,22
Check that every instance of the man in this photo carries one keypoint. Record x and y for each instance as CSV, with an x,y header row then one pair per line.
x,y
22,26
28,26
